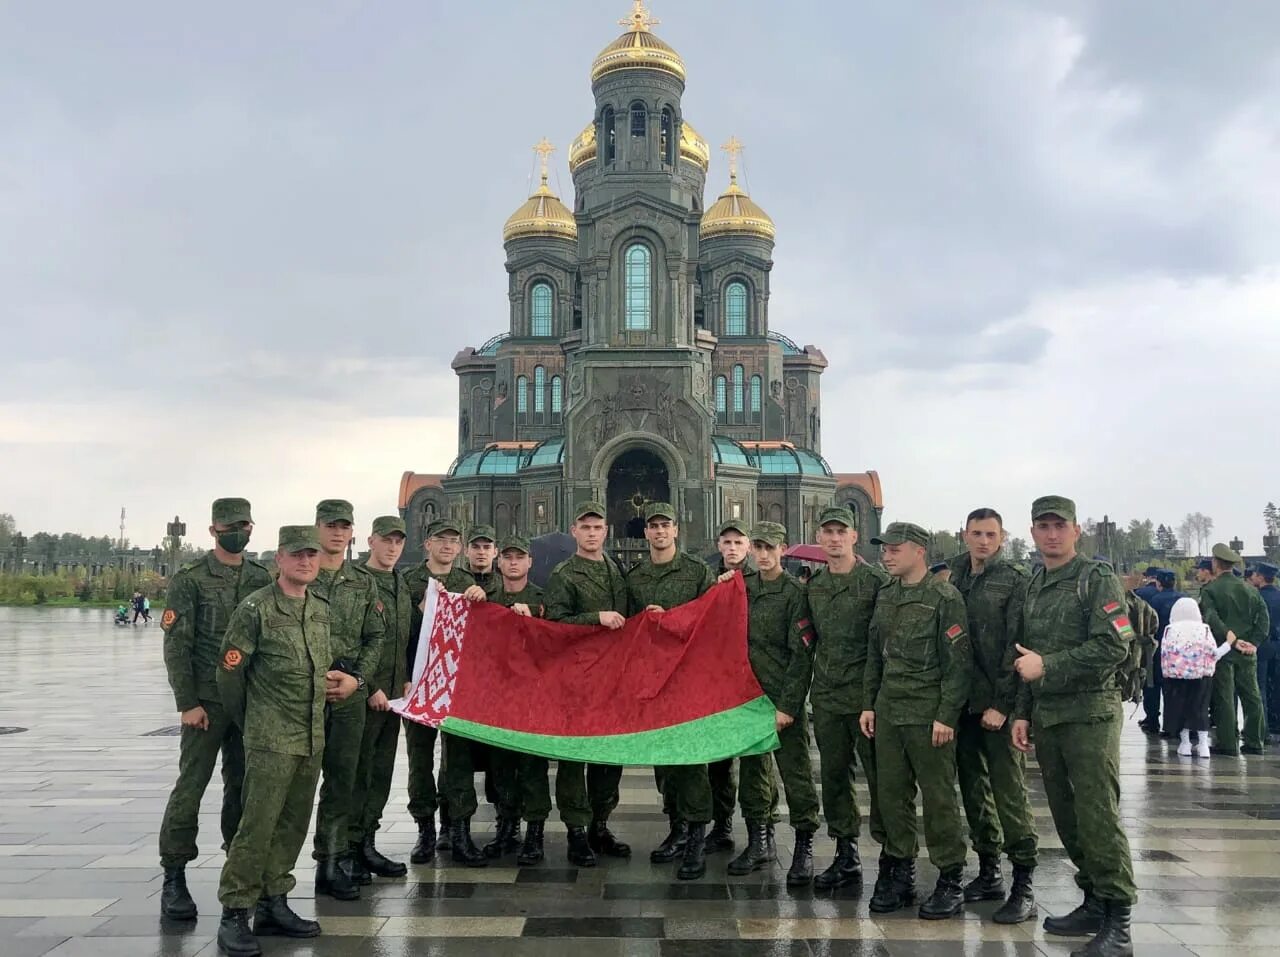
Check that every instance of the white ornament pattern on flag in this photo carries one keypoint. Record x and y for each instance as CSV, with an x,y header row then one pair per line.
x,y
431,695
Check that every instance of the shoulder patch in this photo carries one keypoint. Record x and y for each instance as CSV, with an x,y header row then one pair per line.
x,y
231,660
1111,607
1122,626
168,619
954,632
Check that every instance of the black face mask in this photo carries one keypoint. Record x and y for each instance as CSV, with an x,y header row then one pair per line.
x,y
233,540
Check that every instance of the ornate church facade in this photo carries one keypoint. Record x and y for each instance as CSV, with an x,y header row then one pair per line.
x,y
638,363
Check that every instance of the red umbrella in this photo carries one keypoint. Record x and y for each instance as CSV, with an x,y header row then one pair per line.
x,y
806,553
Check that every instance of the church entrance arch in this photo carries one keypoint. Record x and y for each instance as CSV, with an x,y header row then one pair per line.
x,y
637,477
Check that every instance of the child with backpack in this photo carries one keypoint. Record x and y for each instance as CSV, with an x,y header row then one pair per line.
x,y
1188,656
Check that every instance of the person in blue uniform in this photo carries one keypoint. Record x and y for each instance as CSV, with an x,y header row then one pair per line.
x,y
1269,653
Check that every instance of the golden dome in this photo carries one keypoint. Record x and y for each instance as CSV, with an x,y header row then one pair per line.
x,y
638,49
734,213
583,149
694,148
542,214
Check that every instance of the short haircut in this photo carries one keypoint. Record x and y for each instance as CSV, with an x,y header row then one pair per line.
x,y
981,514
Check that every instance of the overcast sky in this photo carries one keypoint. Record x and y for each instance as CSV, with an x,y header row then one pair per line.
x,y
240,242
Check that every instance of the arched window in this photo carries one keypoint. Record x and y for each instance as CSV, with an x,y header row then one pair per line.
x,y
755,394
557,395
522,395
668,144
722,394
735,309
539,389
638,287
540,310
737,388
608,134
639,119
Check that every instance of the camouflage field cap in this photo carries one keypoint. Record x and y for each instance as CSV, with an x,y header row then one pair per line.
x,y
515,542
298,538
589,508
228,511
334,510
481,533
771,533
836,513
385,525
899,533
734,525
1225,553
1058,505
659,510
442,525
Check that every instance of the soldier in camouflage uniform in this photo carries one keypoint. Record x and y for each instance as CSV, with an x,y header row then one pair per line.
x,y
919,661
381,724
275,680
588,589
200,600
1229,605
992,772
779,634
842,598
482,557
356,632
443,545
1070,654
666,579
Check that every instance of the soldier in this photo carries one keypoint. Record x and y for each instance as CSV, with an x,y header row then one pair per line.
x,y
276,683
779,634
443,545
842,598
666,579
1230,606
520,780
588,589
356,632
1269,653
201,598
992,772
381,724
919,660
1076,637
481,557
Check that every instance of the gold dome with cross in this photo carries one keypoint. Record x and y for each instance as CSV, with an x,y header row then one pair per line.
x,y
735,213
638,49
542,214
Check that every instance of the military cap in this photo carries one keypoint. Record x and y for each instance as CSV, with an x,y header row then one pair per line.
x,y
334,510
1166,577
734,525
1267,570
481,533
836,513
899,533
298,538
589,508
1205,565
1249,570
1058,505
771,533
659,510
1150,571
517,542
442,525
938,567
385,525
228,511
1225,553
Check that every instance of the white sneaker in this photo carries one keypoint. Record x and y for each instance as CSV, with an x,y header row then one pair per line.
x,y
1202,748
1184,749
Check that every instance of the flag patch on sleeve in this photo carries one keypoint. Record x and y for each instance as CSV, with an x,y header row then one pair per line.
x,y
954,632
1111,607
1122,627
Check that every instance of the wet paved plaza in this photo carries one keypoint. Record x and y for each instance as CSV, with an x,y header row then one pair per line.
x,y
82,792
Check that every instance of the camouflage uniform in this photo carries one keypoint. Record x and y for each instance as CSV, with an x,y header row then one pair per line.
x,y
199,602
1228,604
275,656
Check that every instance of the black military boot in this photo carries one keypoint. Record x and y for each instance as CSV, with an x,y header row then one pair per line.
x,y
425,850
442,842
884,875
672,845
378,863
356,868
757,854
899,890
603,841
234,937
531,851
694,863
273,916
1081,922
580,853
506,838
1021,904
175,899
947,897
335,880
1114,939
989,884
771,842
800,874
462,848
720,837
846,869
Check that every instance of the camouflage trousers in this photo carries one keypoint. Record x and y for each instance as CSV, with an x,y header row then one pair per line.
x,y
343,736
197,754
1080,764
993,786
906,759
758,789
1236,678
721,780
841,746
373,773
420,745
522,784
586,792
279,790
460,759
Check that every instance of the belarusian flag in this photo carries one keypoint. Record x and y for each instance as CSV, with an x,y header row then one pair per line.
x,y
671,687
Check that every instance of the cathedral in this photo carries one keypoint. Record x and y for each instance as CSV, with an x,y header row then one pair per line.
x,y
638,363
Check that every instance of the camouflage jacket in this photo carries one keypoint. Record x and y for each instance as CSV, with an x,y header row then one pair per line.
x,y
680,580
457,581
993,599
357,627
274,658
1084,644
490,581
919,656
842,606
1228,604
397,612
779,634
579,589
198,605
530,595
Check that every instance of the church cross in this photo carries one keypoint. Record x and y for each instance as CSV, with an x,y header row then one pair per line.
x,y
544,149
640,20
733,148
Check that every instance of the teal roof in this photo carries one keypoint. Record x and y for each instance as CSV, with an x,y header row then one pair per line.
x,y
789,461
789,348
729,452
550,452
487,462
